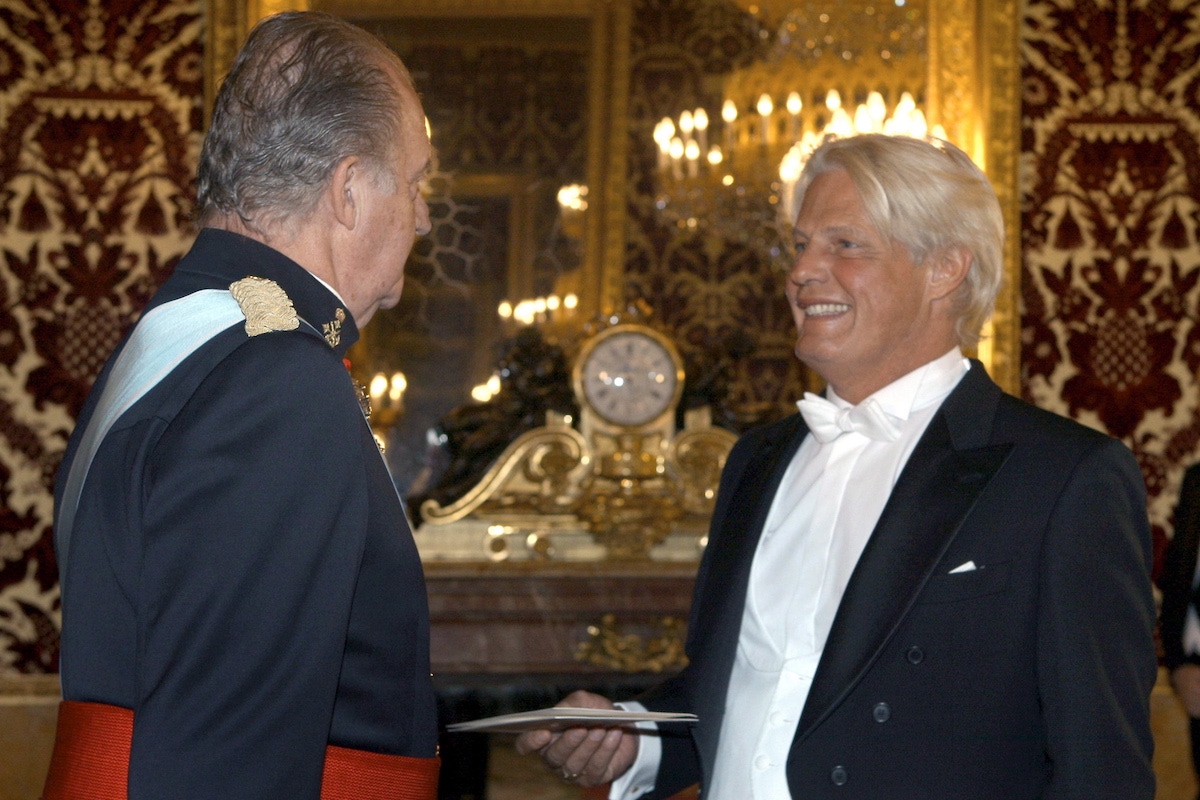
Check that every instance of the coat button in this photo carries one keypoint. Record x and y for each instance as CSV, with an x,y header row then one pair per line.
x,y
915,655
839,776
882,712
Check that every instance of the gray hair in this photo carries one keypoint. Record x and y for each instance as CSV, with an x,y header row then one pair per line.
x,y
306,91
926,195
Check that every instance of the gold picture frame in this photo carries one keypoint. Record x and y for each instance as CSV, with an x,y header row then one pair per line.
x,y
972,92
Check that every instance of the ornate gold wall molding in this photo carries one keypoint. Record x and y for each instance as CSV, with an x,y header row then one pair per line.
x,y
973,83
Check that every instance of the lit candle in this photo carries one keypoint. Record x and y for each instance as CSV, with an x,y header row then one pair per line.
x,y
676,157
920,128
863,122
794,106
729,114
379,385
686,124
878,110
841,124
663,132
691,151
399,384
765,107
700,120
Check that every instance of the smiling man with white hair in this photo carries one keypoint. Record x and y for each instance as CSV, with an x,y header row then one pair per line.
x,y
917,588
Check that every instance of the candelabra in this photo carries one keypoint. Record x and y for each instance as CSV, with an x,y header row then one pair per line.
x,y
857,70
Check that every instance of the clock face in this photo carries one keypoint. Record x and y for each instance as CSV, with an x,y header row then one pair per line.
x,y
629,378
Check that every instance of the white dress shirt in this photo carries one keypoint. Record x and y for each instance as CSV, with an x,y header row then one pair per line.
x,y
827,505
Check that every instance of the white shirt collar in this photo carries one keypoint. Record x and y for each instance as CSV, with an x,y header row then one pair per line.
x,y
922,387
335,292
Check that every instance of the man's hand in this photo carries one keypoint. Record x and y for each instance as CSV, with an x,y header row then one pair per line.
x,y
1186,680
586,756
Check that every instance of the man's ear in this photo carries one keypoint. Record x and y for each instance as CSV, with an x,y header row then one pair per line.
x,y
345,191
949,270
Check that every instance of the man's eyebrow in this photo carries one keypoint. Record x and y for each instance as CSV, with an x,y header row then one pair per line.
x,y
833,231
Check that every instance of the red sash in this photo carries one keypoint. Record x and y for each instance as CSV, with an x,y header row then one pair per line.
x,y
94,740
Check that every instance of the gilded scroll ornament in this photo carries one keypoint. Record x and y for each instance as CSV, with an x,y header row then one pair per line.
x,y
607,647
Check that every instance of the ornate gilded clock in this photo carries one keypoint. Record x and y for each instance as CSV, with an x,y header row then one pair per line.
x,y
625,476
629,376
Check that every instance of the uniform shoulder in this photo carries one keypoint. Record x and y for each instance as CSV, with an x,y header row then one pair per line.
x,y
298,358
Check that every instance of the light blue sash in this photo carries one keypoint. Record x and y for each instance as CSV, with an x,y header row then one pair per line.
x,y
162,339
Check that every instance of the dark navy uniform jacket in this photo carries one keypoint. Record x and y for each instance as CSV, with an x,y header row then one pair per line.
x,y
241,573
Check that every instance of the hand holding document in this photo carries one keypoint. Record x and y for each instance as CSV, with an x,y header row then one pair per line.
x,y
563,717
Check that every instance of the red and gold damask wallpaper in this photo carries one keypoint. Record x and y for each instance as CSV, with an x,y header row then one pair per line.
x,y
100,120
1110,201
100,125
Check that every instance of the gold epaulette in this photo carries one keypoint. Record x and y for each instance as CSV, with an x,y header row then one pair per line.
x,y
265,304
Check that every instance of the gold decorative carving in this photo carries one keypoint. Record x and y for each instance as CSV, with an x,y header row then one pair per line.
x,y
608,165
973,76
998,55
265,304
365,9
699,455
225,30
607,647
541,473
630,505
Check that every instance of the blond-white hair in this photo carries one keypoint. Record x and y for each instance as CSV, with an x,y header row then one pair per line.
x,y
928,196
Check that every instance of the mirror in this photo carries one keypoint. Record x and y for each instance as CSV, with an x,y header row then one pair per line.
x,y
596,76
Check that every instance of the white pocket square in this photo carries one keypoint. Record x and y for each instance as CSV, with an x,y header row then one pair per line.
x,y
967,567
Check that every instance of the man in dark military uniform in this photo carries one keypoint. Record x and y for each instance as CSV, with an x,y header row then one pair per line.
x,y
244,613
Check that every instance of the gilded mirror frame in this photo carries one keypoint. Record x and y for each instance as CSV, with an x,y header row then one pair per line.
x,y
972,90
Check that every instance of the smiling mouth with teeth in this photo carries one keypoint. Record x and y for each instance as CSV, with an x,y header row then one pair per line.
x,y
824,309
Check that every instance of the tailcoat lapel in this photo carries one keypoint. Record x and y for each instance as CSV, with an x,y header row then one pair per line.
x,y
950,467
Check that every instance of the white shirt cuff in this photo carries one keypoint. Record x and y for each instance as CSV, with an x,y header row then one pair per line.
x,y
639,778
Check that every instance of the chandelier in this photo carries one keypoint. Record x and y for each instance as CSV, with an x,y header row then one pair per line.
x,y
858,69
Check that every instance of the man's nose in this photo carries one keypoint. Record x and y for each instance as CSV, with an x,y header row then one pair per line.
x,y
807,267
424,225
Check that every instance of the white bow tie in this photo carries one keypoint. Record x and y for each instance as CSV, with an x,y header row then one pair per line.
x,y
827,422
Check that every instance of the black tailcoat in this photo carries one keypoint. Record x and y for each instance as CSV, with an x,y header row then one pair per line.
x,y
1028,677
1179,567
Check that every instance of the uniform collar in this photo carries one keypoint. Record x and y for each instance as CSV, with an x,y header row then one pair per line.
x,y
229,257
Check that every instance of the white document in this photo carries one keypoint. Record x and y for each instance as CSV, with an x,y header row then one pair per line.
x,y
560,718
